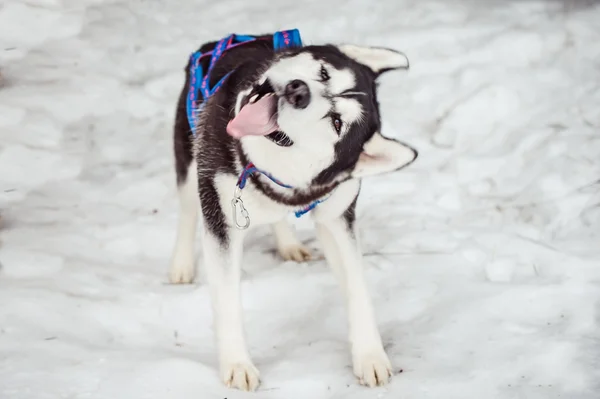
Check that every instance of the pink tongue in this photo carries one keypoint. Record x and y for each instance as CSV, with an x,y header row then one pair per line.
x,y
256,119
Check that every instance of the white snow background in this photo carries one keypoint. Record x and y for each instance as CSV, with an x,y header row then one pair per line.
x,y
483,257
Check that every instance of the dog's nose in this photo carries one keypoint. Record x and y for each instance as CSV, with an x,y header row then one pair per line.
x,y
297,94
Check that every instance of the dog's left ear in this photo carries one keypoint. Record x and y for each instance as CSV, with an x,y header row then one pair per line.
x,y
382,155
378,59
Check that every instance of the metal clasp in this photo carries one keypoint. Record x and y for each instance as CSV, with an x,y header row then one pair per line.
x,y
236,203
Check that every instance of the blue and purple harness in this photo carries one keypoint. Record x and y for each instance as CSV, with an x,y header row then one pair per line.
x,y
199,80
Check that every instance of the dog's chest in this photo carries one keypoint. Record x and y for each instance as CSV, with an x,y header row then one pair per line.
x,y
260,208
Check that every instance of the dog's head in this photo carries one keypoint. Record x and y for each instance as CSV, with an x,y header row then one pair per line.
x,y
312,116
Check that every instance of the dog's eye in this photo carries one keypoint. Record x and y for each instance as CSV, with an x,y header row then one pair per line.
x,y
324,74
337,122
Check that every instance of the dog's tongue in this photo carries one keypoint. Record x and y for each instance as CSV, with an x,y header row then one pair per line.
x,y
255,119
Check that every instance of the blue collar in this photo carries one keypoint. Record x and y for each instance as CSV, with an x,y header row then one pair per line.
x,y
241,183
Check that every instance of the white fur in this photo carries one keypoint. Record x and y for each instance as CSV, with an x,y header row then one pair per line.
x,y
378,59
238,101
382,155
340,245
302,66
223,270
340,80
350,110
293,165
181,269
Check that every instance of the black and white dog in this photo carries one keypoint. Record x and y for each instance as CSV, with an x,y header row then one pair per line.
x,y
288,129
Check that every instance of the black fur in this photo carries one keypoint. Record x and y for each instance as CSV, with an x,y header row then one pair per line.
x,y
350,215
182,137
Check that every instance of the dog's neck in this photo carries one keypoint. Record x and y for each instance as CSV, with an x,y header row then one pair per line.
x,y
282,192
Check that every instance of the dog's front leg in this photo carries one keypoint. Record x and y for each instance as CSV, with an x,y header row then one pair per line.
x,y
340,245
222,259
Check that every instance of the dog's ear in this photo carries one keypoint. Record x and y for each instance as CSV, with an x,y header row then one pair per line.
x,y
378,59
382,155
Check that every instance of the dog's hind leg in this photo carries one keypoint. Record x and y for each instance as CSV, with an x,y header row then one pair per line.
x,y
182,268
288,245
340,245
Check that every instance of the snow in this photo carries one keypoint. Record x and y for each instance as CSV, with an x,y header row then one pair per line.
x,y
483,257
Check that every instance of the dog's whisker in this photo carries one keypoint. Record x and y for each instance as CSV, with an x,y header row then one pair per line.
x,y
352,94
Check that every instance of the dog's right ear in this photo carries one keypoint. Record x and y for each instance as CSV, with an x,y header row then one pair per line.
x,y
378,59
383,155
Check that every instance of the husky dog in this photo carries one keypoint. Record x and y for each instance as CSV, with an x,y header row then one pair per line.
x,y
281,128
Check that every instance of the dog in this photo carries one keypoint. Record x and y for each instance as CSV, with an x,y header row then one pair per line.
x,y
266,126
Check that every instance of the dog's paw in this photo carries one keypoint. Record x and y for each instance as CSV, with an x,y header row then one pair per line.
x,y
181,270
373,368
295,252
241,375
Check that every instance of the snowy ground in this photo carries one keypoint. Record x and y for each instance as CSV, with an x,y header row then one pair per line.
x,y
483,257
